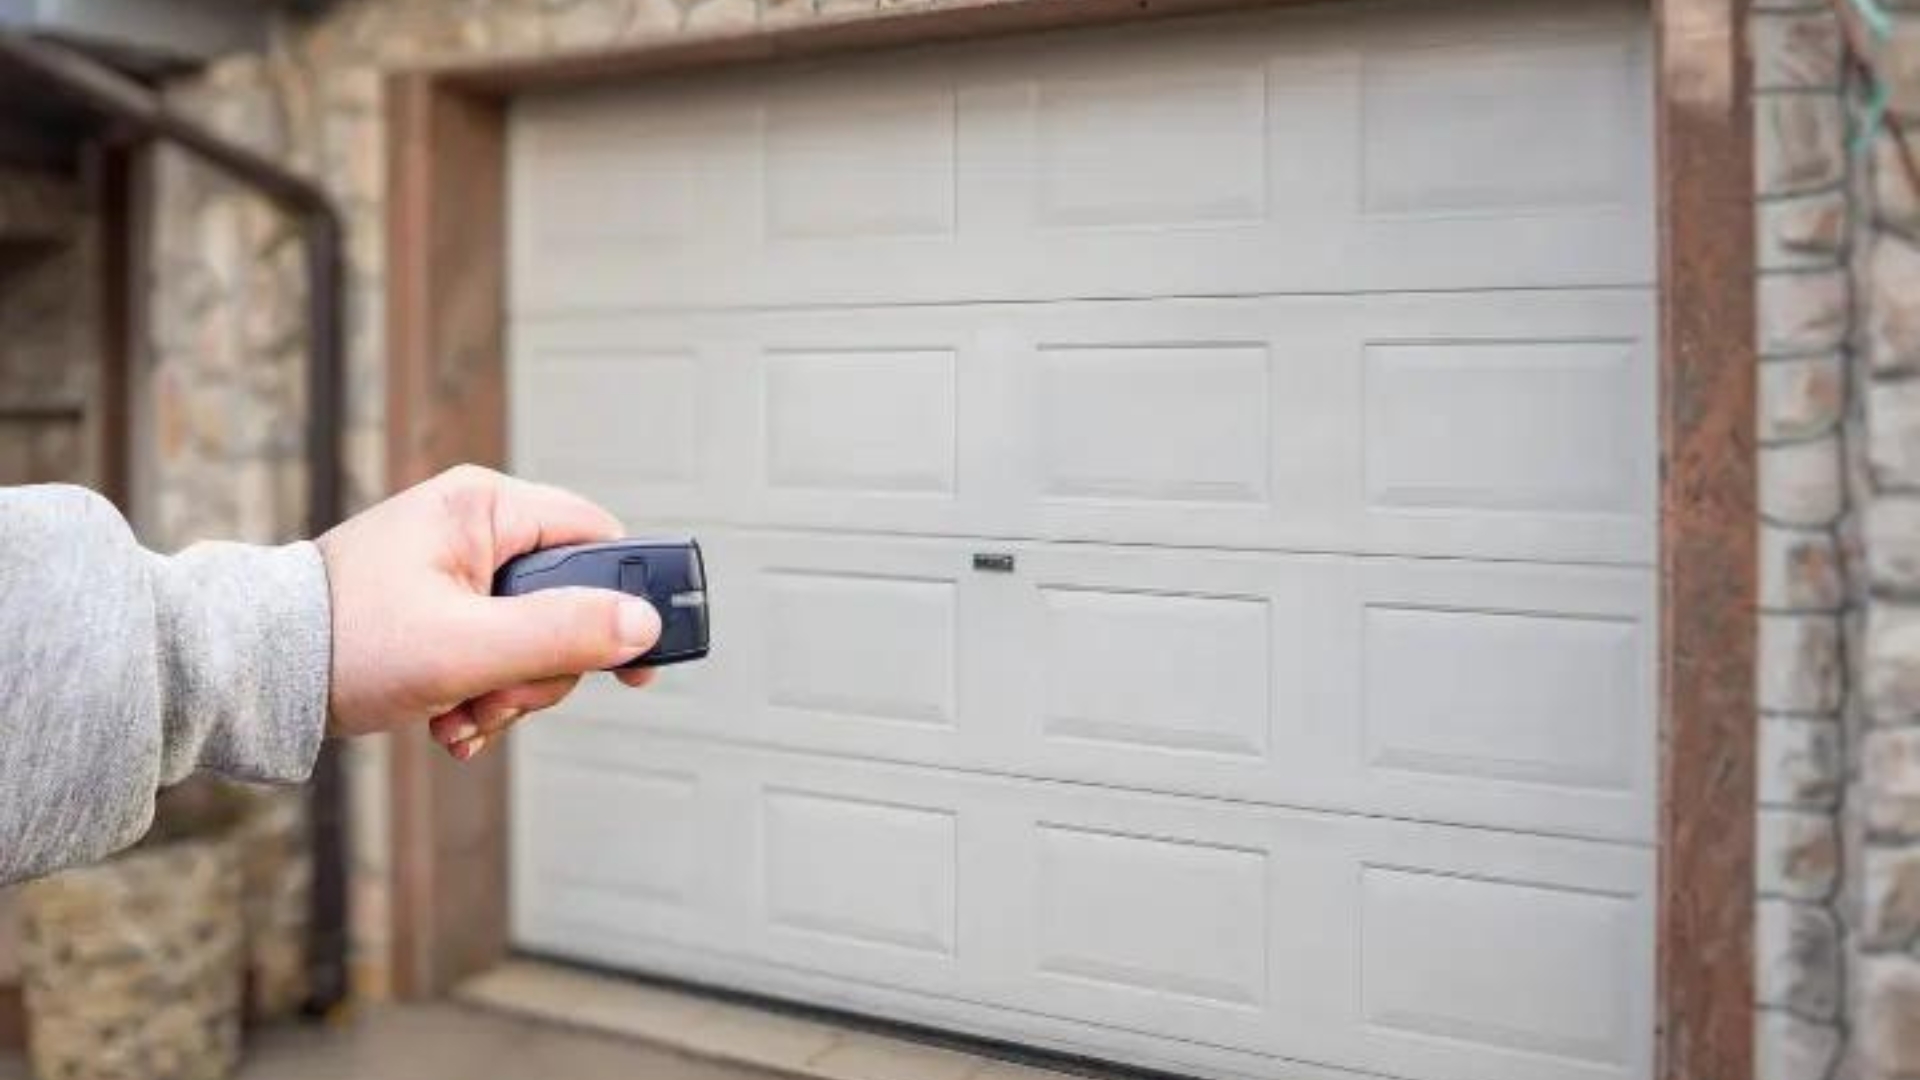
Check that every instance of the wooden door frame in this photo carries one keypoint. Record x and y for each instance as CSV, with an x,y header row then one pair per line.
x,y
447,250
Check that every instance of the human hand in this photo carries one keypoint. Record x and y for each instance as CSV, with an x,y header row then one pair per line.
x,y
417,635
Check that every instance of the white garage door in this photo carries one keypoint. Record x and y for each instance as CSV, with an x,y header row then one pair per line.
x,y
1180,511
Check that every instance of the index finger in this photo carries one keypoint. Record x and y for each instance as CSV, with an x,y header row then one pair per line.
x,y
530,516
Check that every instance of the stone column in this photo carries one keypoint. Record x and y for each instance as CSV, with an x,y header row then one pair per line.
x,y
1887,482
1804,312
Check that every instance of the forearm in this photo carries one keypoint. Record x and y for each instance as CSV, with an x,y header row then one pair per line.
x,y
125,671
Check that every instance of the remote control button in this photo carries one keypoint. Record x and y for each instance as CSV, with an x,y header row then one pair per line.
x,y
633,577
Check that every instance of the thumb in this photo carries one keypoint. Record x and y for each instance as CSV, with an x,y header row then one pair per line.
x,y
518,639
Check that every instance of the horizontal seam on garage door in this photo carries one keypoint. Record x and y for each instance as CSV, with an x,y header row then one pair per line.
x,y
815,532
948,769
557,313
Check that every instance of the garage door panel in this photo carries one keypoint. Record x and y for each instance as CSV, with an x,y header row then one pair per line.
x,y
1426,967
860,872
1453,146
649,873
866,426
852,165
1476,693
1459,425
1460,953
638,418
816,419
649,435
1502,425
1156,672
1497,426
862,644
646,172
1180,507
1198,931
1363,943
1502,695
1167,421
655,865
1482,127
631,411
851,649
1170,145
874,420
1154,423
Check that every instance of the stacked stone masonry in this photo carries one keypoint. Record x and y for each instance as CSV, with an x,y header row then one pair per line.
x,y
1806,317
1886,784
47,344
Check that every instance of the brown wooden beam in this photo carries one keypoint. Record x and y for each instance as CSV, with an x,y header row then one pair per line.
x,y
446,405
1709,534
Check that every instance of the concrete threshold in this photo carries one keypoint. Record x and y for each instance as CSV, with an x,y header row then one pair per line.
x,y
704,1027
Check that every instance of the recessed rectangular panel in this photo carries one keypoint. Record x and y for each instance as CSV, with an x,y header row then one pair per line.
x,y
1498,126
604,177
1543,699
1154,422
1157,672
1503,425
642,822
1162,147
867,871
861,420
1525,967
880,647
1159,916
861,167
626,414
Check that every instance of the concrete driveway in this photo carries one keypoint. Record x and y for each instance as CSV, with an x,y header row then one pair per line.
x,y
452,1042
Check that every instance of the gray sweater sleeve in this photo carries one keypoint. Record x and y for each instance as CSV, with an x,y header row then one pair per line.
x,y
122,671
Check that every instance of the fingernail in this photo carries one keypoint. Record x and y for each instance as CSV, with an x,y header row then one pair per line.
x,y
474,746
465,731
638,624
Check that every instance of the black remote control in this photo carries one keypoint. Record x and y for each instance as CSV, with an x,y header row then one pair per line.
x,y
669,573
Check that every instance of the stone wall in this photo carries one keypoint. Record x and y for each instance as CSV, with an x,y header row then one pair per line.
x,y
1839,327
225,381
1839,299
1885,791
1805,333
48,349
